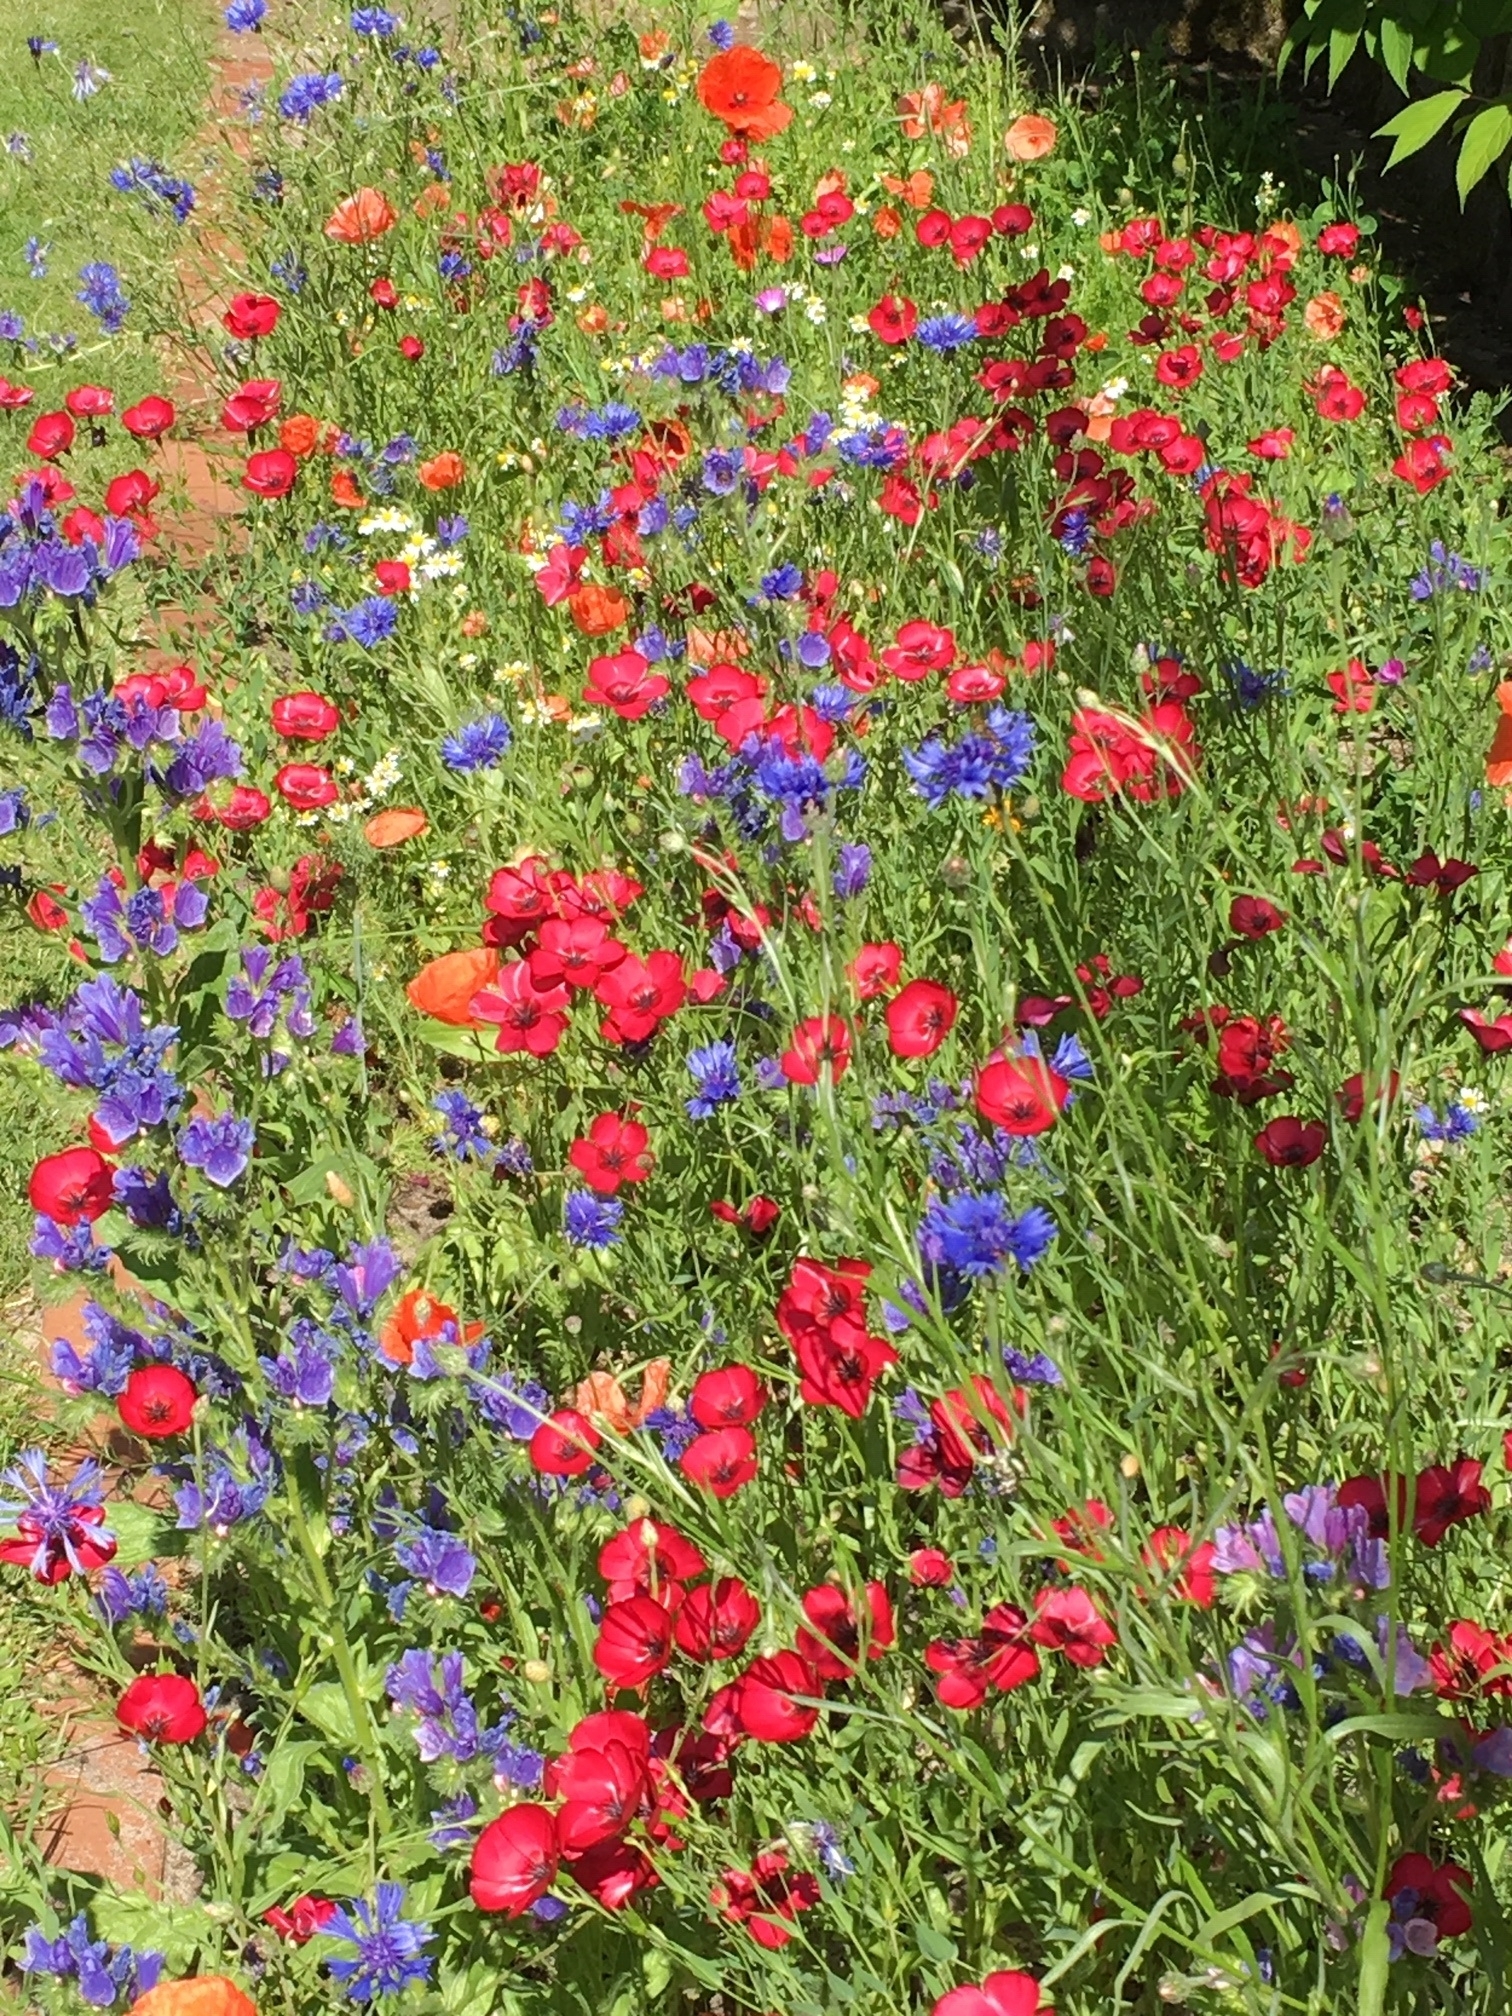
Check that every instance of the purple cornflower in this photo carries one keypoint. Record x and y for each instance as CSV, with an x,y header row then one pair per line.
x,y
852,869
306,94
716,1074
119,1597
60,1527
245,17
104,1975
145,921
480,745
366,1276
439,1559
592,1221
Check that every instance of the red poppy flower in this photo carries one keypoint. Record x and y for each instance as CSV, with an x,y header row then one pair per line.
x,y
611,1153
920,1018
1353,688
634,1642
742,89
72,1186
775,1700
1001,1657
1170,1548
304,716
1291,1143
731,1397
874,970
624,683
640,995
716,1620
305,1917
1334,395
158,1401
757,1217
270,473
928,1568
921,648
1020,1093
894,319
1068,1621
976,1420
1001,1994
766,1898
52,1549
1493,1035
252,405
251,316
528,1017
564,1443
603,1786
722,1460
515,1860
52,435
574,952
150,418
163,1707
644,1555
1424,463
305,786
821,1043
837,1638
1274,445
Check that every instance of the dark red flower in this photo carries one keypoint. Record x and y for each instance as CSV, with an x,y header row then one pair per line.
x,y
1291,1143
158,1401
766,1898
1447,1494
163,1707
1433,1894
1254,917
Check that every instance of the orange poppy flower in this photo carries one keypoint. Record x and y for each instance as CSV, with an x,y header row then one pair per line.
x,y
887,222
653,47
593,321
299,434
1499,756
668,442
444,988
596,610
202,1995
742,89
344,491
444,471
655,217
917,190
433,197
710,647
361,217
1031,137
928,111
602,1398
1323,317
419,1315
394,827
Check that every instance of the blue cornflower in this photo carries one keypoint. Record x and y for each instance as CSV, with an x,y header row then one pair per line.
x,y
976,1236
783,583
480,745
1251,689
722,35
245,17
101,295
388,1953
1076,534
375,21
35,253
370,624
592,1221
221,1147
464,1137
717,1076
288,272
12,326
157,188
87,78
944,333
102,1975
53,1513
307,93
14,814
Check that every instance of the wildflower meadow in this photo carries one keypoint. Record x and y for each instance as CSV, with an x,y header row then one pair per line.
x,y
767,1006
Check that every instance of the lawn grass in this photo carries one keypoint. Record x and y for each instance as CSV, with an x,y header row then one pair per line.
x,y
56,155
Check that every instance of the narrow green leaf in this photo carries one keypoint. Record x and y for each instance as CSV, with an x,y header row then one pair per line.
x,y
1375,1959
